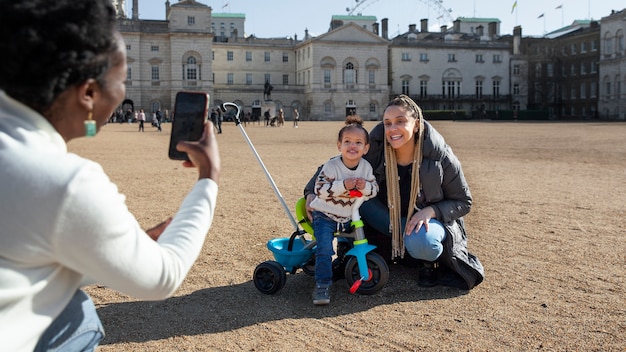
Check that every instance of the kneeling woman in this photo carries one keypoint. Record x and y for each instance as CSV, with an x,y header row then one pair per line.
x,y
419,209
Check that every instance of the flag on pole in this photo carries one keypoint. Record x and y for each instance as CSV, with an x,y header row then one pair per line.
x,y
540,15
559,7
514,6
225,5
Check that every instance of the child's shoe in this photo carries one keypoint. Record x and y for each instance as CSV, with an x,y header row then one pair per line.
x,y
321,294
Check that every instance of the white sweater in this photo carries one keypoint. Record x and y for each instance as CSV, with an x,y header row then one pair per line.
x,y
63,224
332,197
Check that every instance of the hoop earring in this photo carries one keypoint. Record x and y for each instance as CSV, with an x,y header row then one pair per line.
x,y
90,126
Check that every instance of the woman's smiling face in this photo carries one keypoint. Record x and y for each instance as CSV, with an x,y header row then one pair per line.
x,y
400,126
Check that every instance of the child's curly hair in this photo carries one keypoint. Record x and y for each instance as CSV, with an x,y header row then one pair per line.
x,y
354,122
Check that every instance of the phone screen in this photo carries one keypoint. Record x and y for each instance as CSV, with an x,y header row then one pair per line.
x,y
190,114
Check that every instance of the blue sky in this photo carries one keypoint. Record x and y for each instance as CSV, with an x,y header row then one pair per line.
x,y
283,18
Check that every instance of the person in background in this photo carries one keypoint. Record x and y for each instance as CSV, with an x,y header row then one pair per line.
x,y
422,200
333,201
296,118
64,223
266,117
141,117
219,119
281,118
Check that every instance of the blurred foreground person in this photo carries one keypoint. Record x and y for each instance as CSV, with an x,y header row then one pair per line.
x,y
64,224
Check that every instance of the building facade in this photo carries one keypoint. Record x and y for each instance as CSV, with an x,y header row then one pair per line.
x,y
612,76
453,70
355,68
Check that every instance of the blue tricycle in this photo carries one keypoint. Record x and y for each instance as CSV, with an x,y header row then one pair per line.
x,y
365,271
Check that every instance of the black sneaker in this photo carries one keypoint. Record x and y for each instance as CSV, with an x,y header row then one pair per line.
x,y
428,274
321,294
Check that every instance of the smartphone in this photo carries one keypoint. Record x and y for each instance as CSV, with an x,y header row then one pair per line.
x,y
190,113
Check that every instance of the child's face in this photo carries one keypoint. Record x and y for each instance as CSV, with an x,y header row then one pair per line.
x,y
352,146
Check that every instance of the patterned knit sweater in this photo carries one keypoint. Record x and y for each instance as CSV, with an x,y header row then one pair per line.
x,y
332,197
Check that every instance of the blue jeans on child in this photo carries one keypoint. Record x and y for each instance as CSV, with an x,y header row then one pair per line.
x,y
324,229
77,328
421,245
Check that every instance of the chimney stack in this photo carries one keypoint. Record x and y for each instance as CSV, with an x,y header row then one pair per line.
x,y
424,24
385,22
135,9
517,39
457,26
412,28
492,29
375,28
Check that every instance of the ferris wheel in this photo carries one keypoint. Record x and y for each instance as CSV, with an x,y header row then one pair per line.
x,y
444,15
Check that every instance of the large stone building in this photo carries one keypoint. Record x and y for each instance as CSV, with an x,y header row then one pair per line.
x,y
452,69
355,67
612,77
563,71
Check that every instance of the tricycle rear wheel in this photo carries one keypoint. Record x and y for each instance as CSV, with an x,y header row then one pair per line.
x,y
269,277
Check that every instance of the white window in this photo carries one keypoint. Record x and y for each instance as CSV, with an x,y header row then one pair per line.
x,y
327,82
406,57
372,78
155,73
230,78
423,89
349,76
479,89
191,69
405,87
496,89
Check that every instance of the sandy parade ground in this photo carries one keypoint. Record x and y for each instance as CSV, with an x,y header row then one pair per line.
x,y
548,223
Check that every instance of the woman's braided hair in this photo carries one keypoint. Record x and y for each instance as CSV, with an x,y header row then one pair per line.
x,y
391,170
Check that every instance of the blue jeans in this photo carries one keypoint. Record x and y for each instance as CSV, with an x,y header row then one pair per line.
x,y
324,229
77,328
421,245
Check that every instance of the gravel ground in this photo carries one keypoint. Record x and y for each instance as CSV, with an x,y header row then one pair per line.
x,y
547,223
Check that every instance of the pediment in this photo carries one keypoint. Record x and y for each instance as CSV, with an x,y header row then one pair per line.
x,y
350,33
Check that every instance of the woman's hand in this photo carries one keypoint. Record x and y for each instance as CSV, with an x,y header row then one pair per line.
x,y
203,154
418,219
156,231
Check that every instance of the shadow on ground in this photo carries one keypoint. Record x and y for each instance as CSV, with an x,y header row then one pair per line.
x,y
219,309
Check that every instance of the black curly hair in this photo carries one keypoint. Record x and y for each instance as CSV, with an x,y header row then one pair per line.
x,y
47,46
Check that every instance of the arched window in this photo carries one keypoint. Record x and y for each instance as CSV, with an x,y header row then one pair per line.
x,y
349,75
619,41
191,69
608,44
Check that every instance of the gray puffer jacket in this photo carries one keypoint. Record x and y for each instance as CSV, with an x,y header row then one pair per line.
x,y
445,189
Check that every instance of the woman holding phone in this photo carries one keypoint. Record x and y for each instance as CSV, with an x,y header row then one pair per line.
x,y
64,223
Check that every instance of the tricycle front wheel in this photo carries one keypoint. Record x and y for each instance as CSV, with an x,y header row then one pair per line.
x,y
378,272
